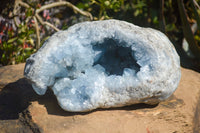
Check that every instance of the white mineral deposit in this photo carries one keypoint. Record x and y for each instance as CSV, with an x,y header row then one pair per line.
x,y
104,64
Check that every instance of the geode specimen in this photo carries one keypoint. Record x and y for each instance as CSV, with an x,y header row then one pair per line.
x,y
104,64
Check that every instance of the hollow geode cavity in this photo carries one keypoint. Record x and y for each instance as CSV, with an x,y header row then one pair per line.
x,y
104,64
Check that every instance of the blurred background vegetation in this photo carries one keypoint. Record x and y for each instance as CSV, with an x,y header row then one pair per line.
x,y
26,24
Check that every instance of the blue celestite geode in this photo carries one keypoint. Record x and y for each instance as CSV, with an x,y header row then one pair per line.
x,y
104,64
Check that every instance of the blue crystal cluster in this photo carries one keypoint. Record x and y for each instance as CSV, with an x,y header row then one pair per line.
x,y
104,64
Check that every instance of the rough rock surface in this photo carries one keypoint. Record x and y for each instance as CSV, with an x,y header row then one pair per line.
x,y
104,64
6,75
22,110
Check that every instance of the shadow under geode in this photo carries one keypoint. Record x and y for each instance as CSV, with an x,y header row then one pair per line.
x,y
54,109
50,102
16,97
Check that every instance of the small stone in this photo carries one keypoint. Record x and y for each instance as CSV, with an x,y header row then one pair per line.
x,y
104,64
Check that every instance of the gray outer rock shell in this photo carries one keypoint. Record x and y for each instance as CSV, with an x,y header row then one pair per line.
x,y
69,63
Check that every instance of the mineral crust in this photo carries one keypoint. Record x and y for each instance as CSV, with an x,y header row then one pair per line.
x,y
104,64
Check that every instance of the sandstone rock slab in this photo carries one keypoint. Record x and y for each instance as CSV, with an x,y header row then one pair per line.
x,y
175,115
180,113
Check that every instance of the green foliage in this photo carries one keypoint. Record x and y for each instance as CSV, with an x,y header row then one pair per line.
x,y
17,48
147,13
101,7
140,8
